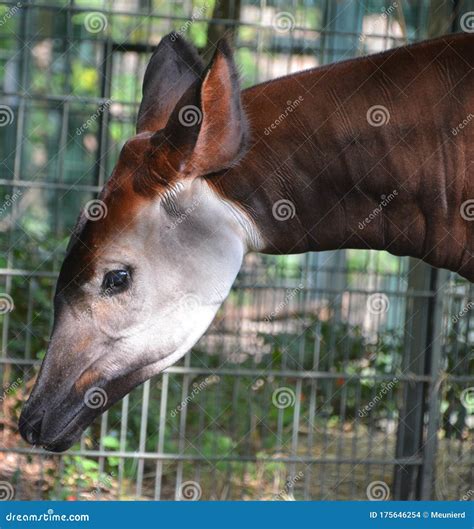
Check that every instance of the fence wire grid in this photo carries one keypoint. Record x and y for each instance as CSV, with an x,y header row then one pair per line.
x,y
339,375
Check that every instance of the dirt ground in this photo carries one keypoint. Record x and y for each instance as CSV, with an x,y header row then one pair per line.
x,y
46,477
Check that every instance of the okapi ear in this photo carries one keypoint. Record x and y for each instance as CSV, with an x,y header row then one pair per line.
x,y
208,128
224,129
173,67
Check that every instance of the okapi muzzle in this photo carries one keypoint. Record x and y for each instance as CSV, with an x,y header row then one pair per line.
x,y
360,154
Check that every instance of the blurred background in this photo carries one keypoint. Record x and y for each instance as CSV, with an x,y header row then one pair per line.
x,y
339,375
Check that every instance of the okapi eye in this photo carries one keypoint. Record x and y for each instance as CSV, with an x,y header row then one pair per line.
x,y
115,281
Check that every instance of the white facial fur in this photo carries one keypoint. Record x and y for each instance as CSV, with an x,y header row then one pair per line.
x,y
185,252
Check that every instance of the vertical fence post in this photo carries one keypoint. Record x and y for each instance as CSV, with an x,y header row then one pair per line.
x,y
410,423
433,395
422,357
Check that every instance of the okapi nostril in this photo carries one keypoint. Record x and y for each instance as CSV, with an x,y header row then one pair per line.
x,y
30,428
32,436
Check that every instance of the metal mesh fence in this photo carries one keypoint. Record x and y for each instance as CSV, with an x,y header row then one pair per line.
x,y
324,376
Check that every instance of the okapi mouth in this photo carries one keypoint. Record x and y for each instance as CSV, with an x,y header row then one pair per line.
x,y
56,424
43,426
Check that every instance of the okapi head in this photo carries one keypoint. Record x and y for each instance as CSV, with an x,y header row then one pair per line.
x,y
143,278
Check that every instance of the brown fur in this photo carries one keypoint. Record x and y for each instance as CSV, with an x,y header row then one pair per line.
x,y
334,166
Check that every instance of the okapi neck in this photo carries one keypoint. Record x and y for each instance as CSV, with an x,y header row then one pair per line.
x,y
362,154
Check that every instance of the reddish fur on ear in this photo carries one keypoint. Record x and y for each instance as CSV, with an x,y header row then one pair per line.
x,y
206,132
224,130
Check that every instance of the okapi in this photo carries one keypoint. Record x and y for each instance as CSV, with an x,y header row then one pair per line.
x,y
215,172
